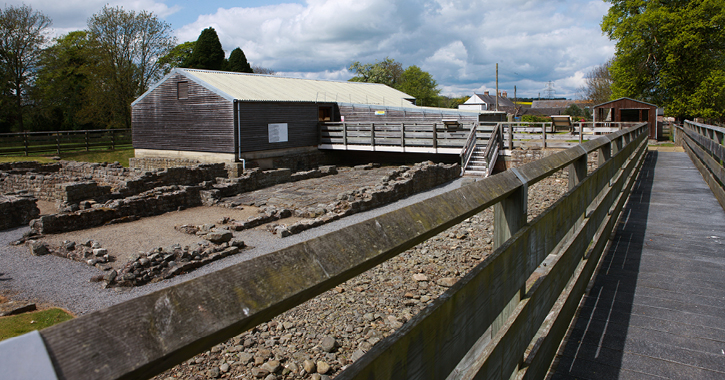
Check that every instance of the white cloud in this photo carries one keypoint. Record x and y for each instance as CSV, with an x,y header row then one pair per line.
x,y
70,15
457,41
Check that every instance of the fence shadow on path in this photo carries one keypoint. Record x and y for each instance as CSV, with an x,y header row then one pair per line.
x,y
595,345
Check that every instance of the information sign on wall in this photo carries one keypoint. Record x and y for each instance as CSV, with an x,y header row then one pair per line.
x,y
277,132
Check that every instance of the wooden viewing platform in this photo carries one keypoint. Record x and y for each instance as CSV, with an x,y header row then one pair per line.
x,y
657,305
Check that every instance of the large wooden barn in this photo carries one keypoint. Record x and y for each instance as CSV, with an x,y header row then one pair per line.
x,y
214,116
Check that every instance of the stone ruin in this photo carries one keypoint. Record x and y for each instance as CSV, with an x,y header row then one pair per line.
x,y
91,194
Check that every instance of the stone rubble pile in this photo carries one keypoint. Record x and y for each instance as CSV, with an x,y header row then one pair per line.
x,y
163,263
89,252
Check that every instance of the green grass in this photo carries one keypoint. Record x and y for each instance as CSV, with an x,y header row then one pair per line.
x,y
120,155
15,325
665,145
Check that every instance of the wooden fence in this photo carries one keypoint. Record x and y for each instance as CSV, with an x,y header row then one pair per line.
x,y
507,316
55,142
545,135
399,137
705,144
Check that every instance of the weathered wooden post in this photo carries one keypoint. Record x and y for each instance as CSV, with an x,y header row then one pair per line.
x,y
509,216
511,136
372,135
402,136
57,142
543,134
344,134
581,132
578,169
86,139
604,153
435,137
25,142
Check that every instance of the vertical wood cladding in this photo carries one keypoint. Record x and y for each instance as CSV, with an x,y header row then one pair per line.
x,y
631,104
301,119
365,114
202,122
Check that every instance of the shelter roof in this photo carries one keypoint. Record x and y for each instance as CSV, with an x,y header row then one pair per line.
x,y
257,87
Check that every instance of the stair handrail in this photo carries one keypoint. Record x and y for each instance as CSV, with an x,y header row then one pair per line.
x,y
468,148
491,152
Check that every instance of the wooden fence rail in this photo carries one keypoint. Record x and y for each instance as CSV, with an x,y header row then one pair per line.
x,y
545,135
705,144
493,323
25,143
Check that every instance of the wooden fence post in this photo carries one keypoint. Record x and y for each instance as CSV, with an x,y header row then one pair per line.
x,y
57,142
543,134
605,153
113,139
25,142
511,136
372,136
344,134
509,216
402,136
86,138
578,170
435,137
581,132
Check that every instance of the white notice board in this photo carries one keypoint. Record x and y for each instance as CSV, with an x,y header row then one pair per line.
x,y
277,132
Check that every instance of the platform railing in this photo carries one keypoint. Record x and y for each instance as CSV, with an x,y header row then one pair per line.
x,y
505,317
705,144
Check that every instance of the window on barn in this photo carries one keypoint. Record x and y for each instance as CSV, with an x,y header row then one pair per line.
x,y
182,90
324,114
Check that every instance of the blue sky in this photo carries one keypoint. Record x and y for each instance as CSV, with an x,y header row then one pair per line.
x,y
459,42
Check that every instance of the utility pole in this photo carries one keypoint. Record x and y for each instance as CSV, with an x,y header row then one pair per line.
x,y
497,87
516,105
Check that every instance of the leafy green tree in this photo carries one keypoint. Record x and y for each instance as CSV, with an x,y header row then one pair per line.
x,y
177,57
238,62
130,46
419,84
668,52
448,102
208,53
387,72
64,78
23,32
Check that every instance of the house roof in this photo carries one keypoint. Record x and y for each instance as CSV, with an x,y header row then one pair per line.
x,y
559,103
625,98
490,99
256,87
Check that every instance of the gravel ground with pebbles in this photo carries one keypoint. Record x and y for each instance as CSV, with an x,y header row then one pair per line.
x,y
319,338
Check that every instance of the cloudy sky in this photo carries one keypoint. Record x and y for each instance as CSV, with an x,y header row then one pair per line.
x,y
458,42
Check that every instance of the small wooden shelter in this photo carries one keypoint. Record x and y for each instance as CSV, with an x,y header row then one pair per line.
x,y
629,110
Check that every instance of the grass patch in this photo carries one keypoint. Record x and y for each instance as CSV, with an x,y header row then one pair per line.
x,y
120,155
665,145
15,325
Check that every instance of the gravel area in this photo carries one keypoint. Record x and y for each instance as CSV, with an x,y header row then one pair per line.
x,y
318,338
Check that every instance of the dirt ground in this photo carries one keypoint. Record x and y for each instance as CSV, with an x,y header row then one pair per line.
x,y
123,240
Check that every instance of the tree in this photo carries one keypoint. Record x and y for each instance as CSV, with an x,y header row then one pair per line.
x,y
419,84
130,46
598,87
64,79
208,53
262,70
386,72
668,52
23,32
177,57
238,62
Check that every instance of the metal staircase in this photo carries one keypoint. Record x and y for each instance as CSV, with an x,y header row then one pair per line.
x,y
479,154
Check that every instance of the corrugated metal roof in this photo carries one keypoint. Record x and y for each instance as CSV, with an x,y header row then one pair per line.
x,y
244,86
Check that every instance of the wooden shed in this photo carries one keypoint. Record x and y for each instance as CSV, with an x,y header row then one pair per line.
x,y
213,116
629,110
